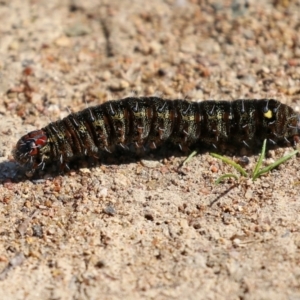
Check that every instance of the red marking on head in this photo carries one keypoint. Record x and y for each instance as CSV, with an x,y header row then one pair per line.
x,y
32,142
40,140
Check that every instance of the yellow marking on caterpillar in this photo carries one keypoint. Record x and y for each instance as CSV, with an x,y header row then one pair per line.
x,y
268,114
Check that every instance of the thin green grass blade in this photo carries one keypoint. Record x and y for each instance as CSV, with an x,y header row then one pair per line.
x,y
230,162
194,153
229,175
274,165
261,158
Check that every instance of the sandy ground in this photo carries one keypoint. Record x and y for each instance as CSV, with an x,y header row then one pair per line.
x,y
142,228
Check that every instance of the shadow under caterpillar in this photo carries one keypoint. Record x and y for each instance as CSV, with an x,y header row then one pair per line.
x,y
145,123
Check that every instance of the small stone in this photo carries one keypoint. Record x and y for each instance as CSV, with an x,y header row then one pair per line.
x,y
14,45
118,85
102,193
77,29
249,194
106,75
121,179
155,47
85,170
188,45
249,81
110,210
214,169
236,242
63,41
152,164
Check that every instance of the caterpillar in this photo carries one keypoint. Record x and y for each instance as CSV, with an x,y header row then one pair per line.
x,y
145,123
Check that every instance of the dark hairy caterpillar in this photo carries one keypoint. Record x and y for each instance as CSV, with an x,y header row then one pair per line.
x,y
144,123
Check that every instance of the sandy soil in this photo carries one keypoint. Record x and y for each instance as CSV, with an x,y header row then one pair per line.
x,y
142,228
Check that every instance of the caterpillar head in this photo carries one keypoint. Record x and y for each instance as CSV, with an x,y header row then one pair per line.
x,y
29,149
